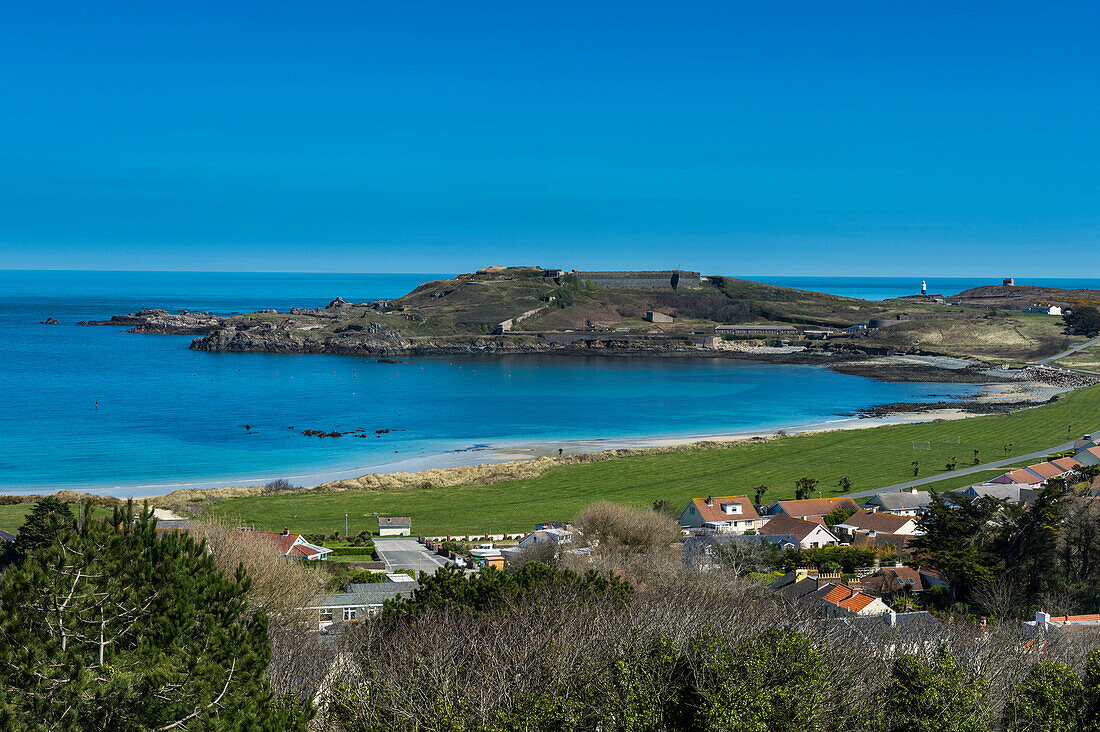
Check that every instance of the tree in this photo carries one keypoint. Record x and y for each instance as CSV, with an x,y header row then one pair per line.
x,y
952,463
916,467
758,495
804,488
1029,544
1049,699
845,484
113,627
935,695
977,460
47,521
838,515
1084,320
957,540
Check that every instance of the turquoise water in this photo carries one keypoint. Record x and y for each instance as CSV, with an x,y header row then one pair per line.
x,y
95,407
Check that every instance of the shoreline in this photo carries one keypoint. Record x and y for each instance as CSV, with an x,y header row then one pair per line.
x,y
995,397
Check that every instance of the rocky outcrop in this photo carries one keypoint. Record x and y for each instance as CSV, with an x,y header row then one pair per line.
x,y
51,321
162,322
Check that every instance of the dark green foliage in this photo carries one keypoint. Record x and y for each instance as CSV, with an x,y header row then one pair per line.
x,y
804,488
849,558
838,515
47,521
957,541
935,696
451,588
1049,699
109,627
1084,320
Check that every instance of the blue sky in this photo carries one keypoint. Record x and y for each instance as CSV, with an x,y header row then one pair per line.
x,y
931,139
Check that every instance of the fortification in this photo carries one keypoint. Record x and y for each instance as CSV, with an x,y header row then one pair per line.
x,y
671,279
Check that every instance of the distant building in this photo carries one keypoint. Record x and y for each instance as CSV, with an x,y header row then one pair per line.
x,y
295,546
808,534
871,524
723,515
756,330
810,508
394,526
555,538
358,602
655,317
651,280
903,503
1008,282
1044,310
856,328
817,335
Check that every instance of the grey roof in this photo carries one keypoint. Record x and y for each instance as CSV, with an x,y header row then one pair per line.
x,y
6,536
365,595
396,521
1012,492
902,501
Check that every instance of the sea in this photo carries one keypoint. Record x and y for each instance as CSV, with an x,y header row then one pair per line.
x,y
93,408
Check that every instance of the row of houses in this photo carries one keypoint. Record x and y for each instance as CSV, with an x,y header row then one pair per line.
x,y
1022,485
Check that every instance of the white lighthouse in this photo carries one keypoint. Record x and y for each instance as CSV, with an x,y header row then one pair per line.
x,y
923,287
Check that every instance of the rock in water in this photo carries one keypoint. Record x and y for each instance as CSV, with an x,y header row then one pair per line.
x,y
51,321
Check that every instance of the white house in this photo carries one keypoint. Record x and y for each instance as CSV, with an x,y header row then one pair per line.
x,y
295,546
723,515
808,534
871,524
1044,310
543,537
394,525
359,602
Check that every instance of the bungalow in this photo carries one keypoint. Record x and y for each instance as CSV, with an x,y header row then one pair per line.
x,y
808,534
1043,310
899,578
905,503
1013,493
395,526
359,601
864,522
295,546
810,508
723,515
842,600
1088,456
544,538
1023,476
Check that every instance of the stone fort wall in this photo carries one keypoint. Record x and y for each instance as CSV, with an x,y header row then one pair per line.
x,y
641,280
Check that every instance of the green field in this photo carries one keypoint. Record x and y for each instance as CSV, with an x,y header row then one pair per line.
x,y
872,457
11,516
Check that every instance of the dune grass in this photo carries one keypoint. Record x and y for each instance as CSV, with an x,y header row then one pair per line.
x,y
871,457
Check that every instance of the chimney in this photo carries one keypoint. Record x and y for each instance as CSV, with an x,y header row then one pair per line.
x,y
913,491
709,500
1042,618
898,564
891,618
286,531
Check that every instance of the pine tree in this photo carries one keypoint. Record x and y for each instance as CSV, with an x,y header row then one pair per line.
x,y
48,519
112,627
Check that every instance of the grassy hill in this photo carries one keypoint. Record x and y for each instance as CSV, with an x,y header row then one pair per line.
x,y
871,457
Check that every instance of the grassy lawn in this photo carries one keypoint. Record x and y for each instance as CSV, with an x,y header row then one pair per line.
x,y
11,517
1086,360
872,457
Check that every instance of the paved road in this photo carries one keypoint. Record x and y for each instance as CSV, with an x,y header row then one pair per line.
x,y
1063,354
401,553
965,471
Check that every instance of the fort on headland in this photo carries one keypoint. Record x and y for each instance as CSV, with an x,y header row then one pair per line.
x,y
654,280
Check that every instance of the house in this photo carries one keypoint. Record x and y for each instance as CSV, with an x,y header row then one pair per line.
x,y
1066,464
856,328
395,526
653,316
1064,624
810,508
756,330
899,578
841,600
700,549
808,534
864,522
723,515
1023,476
295,546
904,503
359,601
1088,456
801,582
1013,493
1044,310
554,538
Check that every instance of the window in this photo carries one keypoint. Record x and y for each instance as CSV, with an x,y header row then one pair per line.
x,y
350,614
326,616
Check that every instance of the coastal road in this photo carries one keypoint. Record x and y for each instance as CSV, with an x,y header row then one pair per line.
x,y
403,553
1063,354
1040,454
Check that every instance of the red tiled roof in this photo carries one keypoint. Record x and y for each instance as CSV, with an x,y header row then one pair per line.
x,y
714,512
856,602
813,506
1046,470
838,594
1023,477
1077,619
1066,464
1094,451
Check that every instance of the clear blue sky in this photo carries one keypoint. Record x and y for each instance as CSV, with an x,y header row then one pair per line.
x,y
930,138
